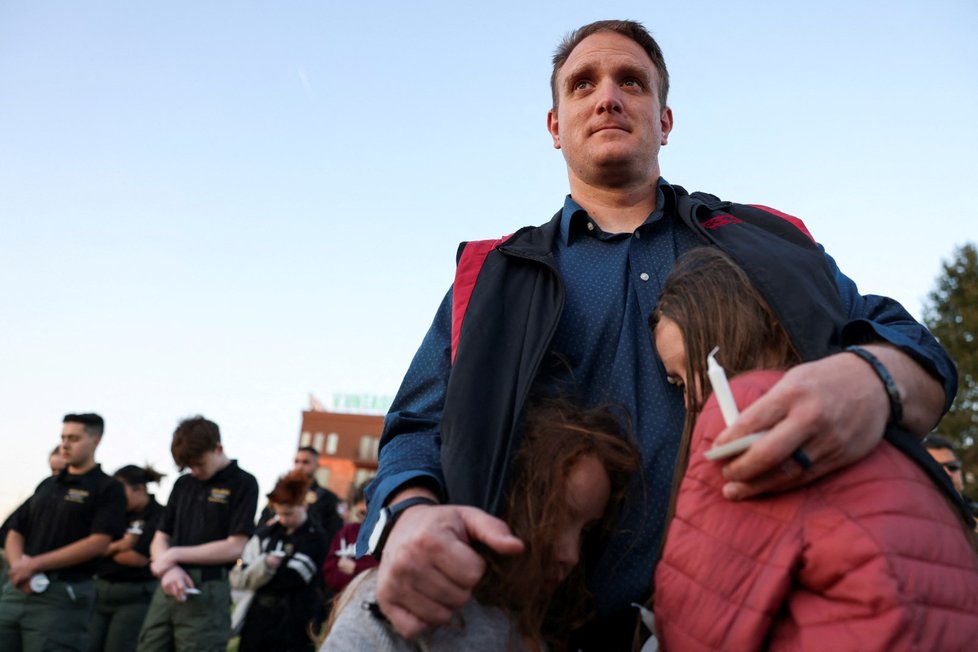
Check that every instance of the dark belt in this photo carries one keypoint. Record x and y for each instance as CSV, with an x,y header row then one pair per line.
x,y
206,573
68,576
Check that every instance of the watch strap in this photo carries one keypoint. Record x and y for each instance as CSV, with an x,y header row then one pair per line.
x,y
393,513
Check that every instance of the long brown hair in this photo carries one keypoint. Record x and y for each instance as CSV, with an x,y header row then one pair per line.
x,y
714,304
556,436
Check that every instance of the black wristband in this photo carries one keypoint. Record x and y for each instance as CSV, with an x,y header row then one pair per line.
x,y
892,393
385,522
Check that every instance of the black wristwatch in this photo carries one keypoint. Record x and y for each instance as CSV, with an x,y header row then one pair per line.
x,y
385,523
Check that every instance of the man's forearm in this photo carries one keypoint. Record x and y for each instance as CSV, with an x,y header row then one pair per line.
x,y
921,394
130,558
224,551
92,546
159,545
14,546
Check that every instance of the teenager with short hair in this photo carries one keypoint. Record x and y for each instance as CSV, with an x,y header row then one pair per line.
x,y
281,564
323,504
207,521
54,543
124,583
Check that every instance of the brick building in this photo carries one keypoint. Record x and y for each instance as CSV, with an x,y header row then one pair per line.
x,y
347,445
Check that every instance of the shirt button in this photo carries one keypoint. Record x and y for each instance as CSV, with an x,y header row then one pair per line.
x,y
590,226
644,276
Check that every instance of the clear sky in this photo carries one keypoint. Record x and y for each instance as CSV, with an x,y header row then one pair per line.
x,y
219,207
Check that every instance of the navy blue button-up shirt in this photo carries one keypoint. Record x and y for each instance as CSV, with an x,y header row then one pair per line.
x,y
612,283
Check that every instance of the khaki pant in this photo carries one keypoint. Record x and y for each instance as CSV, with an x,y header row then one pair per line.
x,y
120,608
201,624
53,621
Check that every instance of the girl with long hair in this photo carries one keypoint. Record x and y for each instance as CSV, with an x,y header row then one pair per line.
x,y
872,557
124,584
570,478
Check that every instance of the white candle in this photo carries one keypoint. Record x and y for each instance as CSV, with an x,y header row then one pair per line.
x,y
721,389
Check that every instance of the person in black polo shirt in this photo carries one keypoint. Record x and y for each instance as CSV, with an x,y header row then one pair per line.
x,y
123,582
54,544
208,519
57,462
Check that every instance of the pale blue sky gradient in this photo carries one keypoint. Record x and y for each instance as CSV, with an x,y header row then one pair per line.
x,y
218,207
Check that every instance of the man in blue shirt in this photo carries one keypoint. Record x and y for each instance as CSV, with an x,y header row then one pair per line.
x,y
612,246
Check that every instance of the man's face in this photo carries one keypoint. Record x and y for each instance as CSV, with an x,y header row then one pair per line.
x,y
205,466
952,465
305,462
77,446
608,121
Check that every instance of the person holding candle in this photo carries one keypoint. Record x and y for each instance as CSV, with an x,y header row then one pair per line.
x,y
875,556
573,295
281,565
341,564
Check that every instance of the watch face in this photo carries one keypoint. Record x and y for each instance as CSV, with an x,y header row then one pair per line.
x,y
377,532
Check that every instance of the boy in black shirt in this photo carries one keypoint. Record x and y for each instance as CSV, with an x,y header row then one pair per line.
x,y
54,543
208,519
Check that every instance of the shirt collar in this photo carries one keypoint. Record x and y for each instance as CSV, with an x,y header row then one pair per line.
x,y
223,473
65,477
574,217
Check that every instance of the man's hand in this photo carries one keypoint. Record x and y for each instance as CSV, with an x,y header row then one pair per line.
x,y
174,582
161,564
834,410
21,571
272,562
428,568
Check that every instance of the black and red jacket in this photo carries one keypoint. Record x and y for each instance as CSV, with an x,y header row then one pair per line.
x,y
507,301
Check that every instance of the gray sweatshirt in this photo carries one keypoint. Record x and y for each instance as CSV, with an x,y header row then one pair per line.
x,y
474,627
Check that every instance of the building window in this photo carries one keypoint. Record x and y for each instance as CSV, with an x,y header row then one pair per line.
x,y
322,476
368,447
363,475
305,440
317,442
332,441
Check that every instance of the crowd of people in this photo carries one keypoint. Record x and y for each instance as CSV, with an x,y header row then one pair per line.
x,y
94,563
565,466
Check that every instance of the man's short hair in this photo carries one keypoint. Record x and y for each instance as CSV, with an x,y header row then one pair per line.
x,y
94,424
935,441
192,438
628,28
309,449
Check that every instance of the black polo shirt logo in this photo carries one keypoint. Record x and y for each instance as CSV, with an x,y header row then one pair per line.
x,y
219,496
78,496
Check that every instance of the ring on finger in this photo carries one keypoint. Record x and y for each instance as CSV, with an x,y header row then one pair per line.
x,y
802,459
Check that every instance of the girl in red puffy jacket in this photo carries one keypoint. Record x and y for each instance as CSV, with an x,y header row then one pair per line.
x,y
873,557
